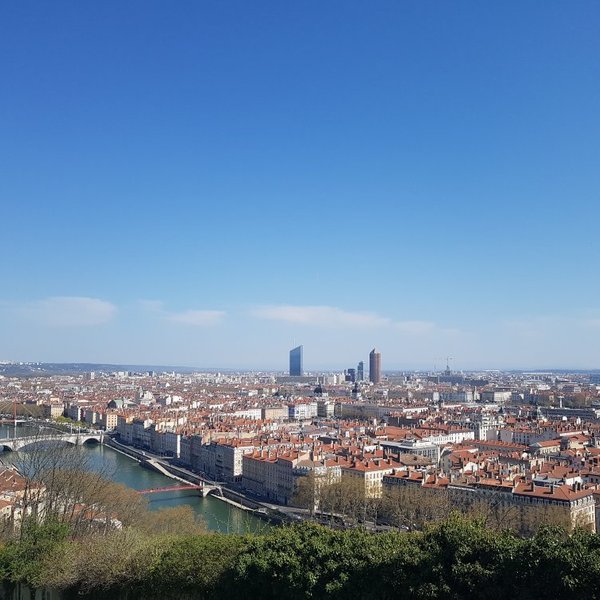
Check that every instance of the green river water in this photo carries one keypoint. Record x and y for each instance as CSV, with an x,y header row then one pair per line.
x,y
218,515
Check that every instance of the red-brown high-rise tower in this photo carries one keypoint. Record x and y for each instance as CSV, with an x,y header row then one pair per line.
x,y
375,366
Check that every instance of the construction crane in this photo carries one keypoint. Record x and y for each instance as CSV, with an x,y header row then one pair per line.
x,y
448,359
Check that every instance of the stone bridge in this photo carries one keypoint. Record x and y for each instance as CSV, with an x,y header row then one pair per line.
x,y
73,439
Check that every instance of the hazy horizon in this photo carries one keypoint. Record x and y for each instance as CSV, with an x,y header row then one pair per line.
x,y
315,369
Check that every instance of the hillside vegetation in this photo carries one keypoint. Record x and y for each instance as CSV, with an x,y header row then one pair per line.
x,y
451,560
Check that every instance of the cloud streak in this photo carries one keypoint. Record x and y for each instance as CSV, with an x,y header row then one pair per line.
x,y
192,317
69,311
327,316
331,316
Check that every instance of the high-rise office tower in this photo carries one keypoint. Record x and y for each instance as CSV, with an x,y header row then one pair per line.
x,y
360,371
375,366
296,362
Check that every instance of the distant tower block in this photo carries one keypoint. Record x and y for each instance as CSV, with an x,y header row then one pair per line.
x,y
296,367
375,366
360,371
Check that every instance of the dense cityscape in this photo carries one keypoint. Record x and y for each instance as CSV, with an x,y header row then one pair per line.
x,y
497,439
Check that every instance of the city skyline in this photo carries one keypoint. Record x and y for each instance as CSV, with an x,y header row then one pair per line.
x,y
203,185
73,319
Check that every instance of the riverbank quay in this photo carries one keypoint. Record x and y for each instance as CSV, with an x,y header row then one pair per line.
x,y
154,463
122,449
270,513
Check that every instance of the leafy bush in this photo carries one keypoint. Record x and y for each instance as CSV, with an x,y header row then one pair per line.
x,y
456,559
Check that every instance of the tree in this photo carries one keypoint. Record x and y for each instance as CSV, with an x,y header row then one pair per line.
x,y
22,561
343,497
306,495
61,484
178,520
412,506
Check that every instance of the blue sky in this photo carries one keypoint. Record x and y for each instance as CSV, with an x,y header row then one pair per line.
x,y
210,183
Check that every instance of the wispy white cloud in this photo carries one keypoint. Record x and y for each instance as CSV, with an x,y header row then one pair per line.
x,y
195,318
328,316
556,326
68,311
331,316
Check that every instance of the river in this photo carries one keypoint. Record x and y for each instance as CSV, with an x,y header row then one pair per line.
x,y
218,515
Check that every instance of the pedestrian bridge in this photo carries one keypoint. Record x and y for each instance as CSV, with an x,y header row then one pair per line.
x,y
204,487
73,439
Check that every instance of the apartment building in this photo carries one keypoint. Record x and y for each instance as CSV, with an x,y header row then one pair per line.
x,y
370,473
222,460
271,474
302,410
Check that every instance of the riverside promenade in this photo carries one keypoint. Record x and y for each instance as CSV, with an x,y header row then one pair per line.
x,y
267,511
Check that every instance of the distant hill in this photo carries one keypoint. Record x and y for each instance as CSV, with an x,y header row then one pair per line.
x,y
40,369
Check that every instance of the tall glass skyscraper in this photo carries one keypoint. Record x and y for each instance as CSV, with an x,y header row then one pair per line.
x,y
296,368
360,371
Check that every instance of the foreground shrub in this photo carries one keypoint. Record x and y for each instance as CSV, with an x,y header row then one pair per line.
x,y
457,559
